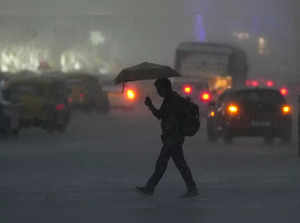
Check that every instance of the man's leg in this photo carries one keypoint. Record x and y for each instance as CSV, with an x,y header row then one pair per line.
x,y
160,167
178,158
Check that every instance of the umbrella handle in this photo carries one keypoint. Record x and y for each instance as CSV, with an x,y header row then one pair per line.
x,y
123,87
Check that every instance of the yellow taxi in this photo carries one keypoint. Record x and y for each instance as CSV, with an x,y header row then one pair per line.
x,y
44,102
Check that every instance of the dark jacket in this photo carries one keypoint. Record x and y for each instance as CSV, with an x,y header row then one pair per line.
x,y
170,113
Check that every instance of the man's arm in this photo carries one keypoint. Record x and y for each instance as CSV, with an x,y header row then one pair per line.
x,y
156,112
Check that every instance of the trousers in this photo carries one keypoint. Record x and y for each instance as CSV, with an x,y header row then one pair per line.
x,y
174,151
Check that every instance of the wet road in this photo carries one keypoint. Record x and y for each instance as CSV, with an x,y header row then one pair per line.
x,y
89,174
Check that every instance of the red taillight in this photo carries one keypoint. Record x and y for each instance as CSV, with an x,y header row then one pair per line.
x,y
205,96
284,91
60,107
187,89
70,100
248,83
270,83
130,94
255,83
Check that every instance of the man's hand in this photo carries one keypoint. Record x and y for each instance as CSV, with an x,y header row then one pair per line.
x,y
148,102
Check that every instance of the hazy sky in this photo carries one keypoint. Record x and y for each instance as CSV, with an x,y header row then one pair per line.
x,y
235,7
160,24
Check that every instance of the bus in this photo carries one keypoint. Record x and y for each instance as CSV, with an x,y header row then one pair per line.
x,y
213,62
208,69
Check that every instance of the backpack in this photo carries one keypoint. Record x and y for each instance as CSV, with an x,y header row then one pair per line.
x,y
190,123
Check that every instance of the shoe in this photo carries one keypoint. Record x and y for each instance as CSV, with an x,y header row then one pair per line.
x,y
145,190
190,193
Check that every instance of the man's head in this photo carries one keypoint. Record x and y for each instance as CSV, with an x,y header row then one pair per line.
x,y
163,87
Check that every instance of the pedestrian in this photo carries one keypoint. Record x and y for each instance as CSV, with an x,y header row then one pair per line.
x,y
3,86
172,138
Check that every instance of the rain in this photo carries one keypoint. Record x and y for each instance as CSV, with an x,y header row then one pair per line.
x,y
78,134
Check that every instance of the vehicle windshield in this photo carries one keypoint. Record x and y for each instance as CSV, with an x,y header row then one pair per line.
x,y
197,64
27,90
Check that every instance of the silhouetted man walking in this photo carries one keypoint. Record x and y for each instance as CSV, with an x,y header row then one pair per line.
x,y
170,115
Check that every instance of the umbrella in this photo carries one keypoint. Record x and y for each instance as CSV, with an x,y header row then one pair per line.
x,y
145,71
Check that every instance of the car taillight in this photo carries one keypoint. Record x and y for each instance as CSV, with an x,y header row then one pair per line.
x,y
286,109
284,91
187,89
248,83
205,96
233,109
130,94
60,107
270,83
255,83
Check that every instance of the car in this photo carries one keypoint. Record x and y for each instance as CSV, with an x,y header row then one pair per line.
x,y
259,112
86,93
41,105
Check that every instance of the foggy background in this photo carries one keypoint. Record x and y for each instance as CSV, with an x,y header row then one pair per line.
x,y
150,30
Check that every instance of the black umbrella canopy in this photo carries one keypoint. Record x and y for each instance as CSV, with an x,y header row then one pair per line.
x,y
145,71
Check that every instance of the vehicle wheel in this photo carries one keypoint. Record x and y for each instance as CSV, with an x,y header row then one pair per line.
x,y
211,131
227,137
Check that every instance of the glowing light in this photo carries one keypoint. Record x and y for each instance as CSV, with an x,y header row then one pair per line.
x,y
4,68
284,91
205,96
16,58
261,42
97,38
286,109
72,61
248,83
212,114
262,45
200,29
241,35
130,94
270,83
233,109
187,89
60,107
255,83
103,71
77,66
